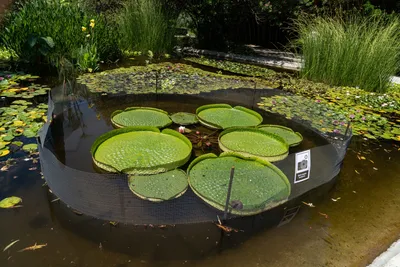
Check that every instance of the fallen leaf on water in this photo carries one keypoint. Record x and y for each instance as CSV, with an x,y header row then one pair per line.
x,y
356,171
10,245
324,214
372,161
311,205
335,199
375,168
4,168
226,229
33,169
10,202
34,247
113,223
363,158
354,192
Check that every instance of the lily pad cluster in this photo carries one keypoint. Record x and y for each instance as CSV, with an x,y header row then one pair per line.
x,y
20,85
20,119
149,156
373,115
332,118
239,68
163,77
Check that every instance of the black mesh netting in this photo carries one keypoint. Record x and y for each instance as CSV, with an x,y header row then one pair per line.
x,y
76,119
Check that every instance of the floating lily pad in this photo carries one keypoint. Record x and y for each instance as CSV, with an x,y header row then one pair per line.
x,y
10,202
291,137
222,116
30,147
257,184
141,116
254,142
4,152
159,187
141,150
184,118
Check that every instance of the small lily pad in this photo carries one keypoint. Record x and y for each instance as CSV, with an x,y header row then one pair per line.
x,y
4,152
10,202
184,118
30,147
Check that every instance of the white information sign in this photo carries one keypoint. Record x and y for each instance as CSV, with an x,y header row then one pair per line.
x,y
302,167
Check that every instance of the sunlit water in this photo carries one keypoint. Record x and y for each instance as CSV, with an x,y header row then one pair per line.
x,y
349,226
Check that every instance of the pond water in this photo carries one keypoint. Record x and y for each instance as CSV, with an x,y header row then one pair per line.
x,y
349,225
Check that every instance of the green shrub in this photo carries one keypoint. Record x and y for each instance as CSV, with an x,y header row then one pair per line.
x,y
60,21
356,51
146,25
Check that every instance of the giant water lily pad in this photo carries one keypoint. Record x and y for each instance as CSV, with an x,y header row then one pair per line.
x,y
141,116
184,118
159,187
254,142
222,116
257,184
141,150
291,137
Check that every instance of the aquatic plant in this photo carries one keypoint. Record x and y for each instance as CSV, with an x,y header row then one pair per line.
x,y
257,185
146,25
184,118
19,119
140,116
254,143
351,51
181,78
291,137
222,116
141,150
159,187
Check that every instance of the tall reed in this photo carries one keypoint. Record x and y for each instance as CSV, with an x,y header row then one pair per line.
x,y
352,51
146,25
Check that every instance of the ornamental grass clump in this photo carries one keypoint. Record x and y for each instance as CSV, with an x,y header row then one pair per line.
x,y
353,51
146,25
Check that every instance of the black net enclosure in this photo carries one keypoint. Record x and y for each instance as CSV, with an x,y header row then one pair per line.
x,y
149,148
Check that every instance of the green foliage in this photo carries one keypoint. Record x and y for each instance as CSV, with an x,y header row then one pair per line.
x,y
209,179
146,25
50,31
354,51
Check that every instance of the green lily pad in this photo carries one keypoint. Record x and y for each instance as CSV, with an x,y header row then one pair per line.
x,y
222,116
17,143
184,118
29,133
10,202
257,184
141,150
291,137
30,147
141,116
21,102
254,142
159,187
8,138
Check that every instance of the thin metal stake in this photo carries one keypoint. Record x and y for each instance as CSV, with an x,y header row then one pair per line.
x,y
347,129
229,192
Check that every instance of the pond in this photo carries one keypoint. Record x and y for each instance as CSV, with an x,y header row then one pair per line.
x,y
352,219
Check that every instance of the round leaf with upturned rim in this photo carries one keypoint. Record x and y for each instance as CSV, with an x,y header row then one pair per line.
x,y
223,116
141,150
254,143
141,116
291,137
257,184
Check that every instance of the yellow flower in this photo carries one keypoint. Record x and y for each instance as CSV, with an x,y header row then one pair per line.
x,y
92,21
87,35
83,28
91,24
